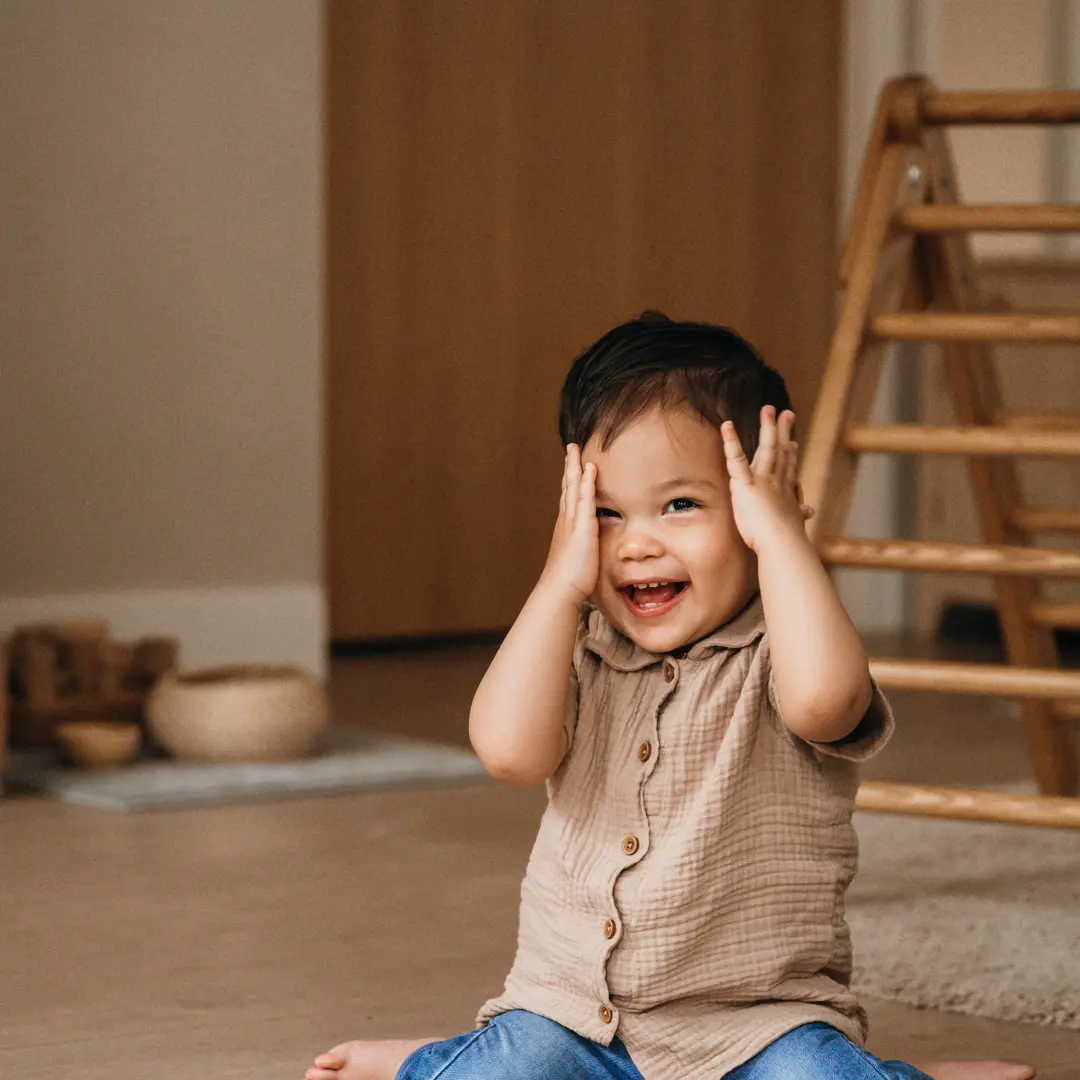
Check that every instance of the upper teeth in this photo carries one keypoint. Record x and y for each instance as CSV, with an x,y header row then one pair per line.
x,y
653,585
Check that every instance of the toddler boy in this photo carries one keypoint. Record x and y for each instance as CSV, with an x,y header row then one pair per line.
x,y
687,682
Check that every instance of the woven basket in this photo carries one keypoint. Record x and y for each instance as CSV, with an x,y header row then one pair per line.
x,y
234,714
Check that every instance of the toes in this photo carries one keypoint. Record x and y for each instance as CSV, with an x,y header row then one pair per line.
x,y
320,1074
341,1052
331,1060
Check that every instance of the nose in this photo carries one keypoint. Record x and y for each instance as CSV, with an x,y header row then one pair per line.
x,y
637,542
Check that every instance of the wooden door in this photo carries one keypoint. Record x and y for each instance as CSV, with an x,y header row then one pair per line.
x,y
506,180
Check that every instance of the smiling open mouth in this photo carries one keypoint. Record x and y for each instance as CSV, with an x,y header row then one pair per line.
x,y
655,598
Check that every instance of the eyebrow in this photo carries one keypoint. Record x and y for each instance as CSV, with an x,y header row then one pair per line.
x,y
683,481
668,485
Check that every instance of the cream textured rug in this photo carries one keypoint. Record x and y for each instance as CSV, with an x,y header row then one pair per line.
x,y
973,918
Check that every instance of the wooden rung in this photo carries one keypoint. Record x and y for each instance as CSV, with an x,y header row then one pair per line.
x,y
1038,420
994,680
969,804
1059,616
973,441
986,217
950,326
1045,519
1001,107
921,555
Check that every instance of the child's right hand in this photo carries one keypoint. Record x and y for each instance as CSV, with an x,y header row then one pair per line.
x,y
573,563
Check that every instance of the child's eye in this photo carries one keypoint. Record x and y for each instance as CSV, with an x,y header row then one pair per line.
x,y
604,512
680,506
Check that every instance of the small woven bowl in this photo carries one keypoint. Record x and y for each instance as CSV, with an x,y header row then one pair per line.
x,y
234,714
97,744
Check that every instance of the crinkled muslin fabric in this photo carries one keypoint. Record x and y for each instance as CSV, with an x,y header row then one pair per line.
x,y
686,888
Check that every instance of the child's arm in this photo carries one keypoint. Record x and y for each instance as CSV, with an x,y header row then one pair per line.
x,y
820,669
517,720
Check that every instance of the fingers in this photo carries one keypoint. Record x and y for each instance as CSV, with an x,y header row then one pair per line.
x,y
788,469
777,452
586,503
787,453
577,505
765,456
784,423
737,465
793,466
571,482
326,1067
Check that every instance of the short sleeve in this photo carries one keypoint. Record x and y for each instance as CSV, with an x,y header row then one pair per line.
x,y
870,736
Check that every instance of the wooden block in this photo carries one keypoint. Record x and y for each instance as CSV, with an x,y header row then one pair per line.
x,y
89,626
86,657
154,656
39,673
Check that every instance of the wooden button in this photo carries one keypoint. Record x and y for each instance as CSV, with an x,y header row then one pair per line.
x,y
630,845
606,1014
609,928
669,671
644,751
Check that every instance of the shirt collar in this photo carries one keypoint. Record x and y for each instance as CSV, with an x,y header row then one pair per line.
x,y
622,654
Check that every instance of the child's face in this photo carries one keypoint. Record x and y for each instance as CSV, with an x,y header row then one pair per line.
x,y
664,510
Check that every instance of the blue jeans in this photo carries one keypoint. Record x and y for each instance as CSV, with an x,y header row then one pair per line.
x,y
523,1046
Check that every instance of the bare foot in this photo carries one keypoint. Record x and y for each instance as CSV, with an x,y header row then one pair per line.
x,y
364,1060
975,1070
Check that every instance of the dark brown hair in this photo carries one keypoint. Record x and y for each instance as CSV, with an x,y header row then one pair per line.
x,y
653,361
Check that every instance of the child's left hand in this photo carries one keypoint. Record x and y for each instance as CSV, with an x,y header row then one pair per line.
x,y
765,496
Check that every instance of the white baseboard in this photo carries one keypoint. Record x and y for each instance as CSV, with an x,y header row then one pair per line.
x,y
277,624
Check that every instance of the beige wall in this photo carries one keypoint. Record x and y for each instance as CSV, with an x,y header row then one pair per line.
x,y
1012,44
1002,45
160,295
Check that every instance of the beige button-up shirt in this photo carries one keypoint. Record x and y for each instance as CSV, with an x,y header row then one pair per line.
x,y
686,888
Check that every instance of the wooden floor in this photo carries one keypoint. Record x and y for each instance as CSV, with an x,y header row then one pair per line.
x,y
236,943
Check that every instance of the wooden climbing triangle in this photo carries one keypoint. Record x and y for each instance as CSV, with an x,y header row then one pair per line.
x,y
909,275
